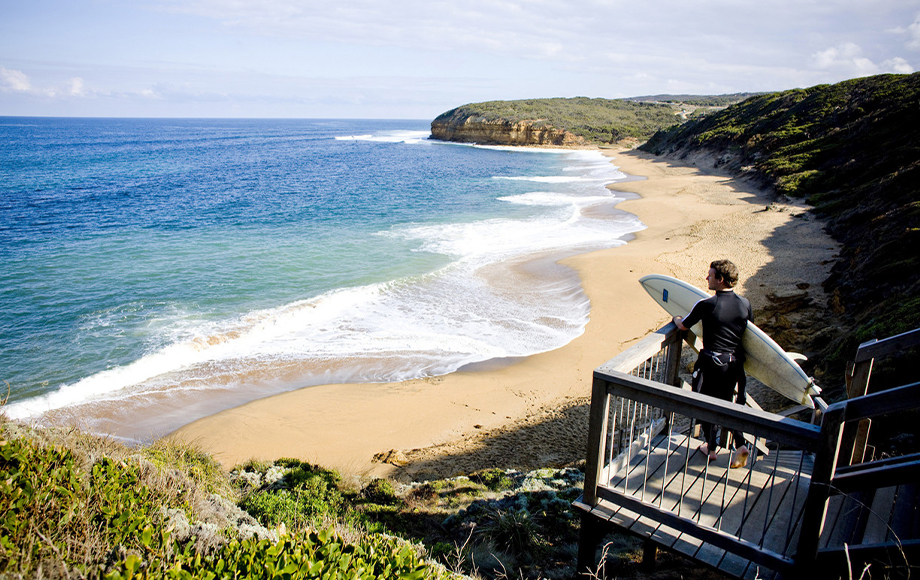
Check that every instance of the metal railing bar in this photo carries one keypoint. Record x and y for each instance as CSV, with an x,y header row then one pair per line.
x,y
772,481
648,455
645,438
722,506
667,458
779,504
704,500
665,482
795,496
683,471
632,433
741,547
747,492
798,520
702,407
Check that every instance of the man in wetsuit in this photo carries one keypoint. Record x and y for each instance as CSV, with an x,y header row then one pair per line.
x,y
720,365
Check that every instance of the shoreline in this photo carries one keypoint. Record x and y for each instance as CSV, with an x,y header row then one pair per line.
x,y
532,412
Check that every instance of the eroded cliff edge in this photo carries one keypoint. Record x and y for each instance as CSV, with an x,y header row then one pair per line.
x,y
557,122
477,129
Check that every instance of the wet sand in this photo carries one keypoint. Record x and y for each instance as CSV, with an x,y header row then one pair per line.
x,y
532,412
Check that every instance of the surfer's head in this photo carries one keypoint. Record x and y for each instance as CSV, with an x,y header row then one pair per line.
x,y
723,271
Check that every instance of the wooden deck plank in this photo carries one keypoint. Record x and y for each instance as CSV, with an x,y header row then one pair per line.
x,y
879,516
673,475
905,520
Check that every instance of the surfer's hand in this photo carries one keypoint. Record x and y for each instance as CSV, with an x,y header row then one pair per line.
x,y
677,321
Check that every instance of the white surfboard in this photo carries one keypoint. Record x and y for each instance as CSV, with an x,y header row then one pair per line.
x,y
765,360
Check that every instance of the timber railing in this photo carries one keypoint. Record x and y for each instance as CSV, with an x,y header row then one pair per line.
x,y
644,473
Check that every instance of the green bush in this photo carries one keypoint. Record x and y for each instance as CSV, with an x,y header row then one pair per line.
x,y
494,479
58,520
304,498
380,491
514,531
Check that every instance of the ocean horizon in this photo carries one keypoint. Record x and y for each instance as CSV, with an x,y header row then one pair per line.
x,y
154,271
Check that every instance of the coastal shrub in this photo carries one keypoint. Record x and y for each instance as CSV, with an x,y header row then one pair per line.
x,y
314,555
66,514
494,479
380,491
40,499
174,454
514,531
56,517
305,496
307,500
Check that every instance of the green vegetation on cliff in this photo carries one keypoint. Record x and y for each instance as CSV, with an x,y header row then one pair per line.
x,y
696,100
596,120
851,150
77,506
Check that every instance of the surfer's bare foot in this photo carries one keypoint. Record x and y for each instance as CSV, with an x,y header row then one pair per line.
x,y
704,449
740,457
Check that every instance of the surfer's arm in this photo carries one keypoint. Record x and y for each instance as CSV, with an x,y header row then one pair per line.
x,y
697,313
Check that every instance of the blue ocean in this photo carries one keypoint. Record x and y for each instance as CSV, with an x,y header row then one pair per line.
x,y
155,271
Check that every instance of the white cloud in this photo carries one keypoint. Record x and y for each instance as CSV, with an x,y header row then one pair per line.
x,y
444,52
897,65
76,87
913,34
847,58
14,80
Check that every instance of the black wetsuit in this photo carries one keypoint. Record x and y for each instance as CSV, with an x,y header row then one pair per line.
x,y
720,365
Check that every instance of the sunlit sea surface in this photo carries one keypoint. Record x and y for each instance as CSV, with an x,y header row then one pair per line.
x,y
156,271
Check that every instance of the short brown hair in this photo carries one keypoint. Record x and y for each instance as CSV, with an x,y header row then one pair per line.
x,y
726,271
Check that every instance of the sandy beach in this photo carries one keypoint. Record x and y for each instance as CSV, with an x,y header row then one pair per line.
x,y
534,412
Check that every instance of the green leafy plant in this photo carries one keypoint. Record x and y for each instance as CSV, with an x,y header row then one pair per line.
x,y
108,520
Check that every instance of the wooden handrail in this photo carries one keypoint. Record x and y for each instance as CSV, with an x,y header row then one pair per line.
x,y
888,346
632,357
627,410
698,406
868,406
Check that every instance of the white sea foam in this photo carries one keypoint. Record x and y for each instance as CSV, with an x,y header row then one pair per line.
x,y
411,137
478,308
549,198
546,178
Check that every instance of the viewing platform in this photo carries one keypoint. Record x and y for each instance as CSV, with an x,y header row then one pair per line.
x,y
795,508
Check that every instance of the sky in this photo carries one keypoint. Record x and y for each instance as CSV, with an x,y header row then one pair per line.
x,y
415,59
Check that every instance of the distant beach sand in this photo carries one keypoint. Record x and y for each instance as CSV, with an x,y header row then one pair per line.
x,y
533,413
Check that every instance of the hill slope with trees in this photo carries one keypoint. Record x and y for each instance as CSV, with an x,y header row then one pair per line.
x,y
558,121
849,149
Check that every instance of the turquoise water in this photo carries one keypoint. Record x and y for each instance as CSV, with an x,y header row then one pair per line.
x,y
155,271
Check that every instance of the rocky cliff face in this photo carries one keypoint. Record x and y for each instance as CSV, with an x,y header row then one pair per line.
x,y
474,129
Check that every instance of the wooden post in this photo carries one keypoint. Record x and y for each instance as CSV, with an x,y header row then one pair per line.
x,y
815,508
649,555
855,437
597,436
673,362
590,535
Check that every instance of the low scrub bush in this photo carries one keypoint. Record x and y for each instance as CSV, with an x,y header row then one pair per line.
x,y
89,514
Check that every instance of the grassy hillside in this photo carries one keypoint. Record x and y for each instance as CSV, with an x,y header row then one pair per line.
x,y
77,506
696,100
851,150
73,505
597,120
